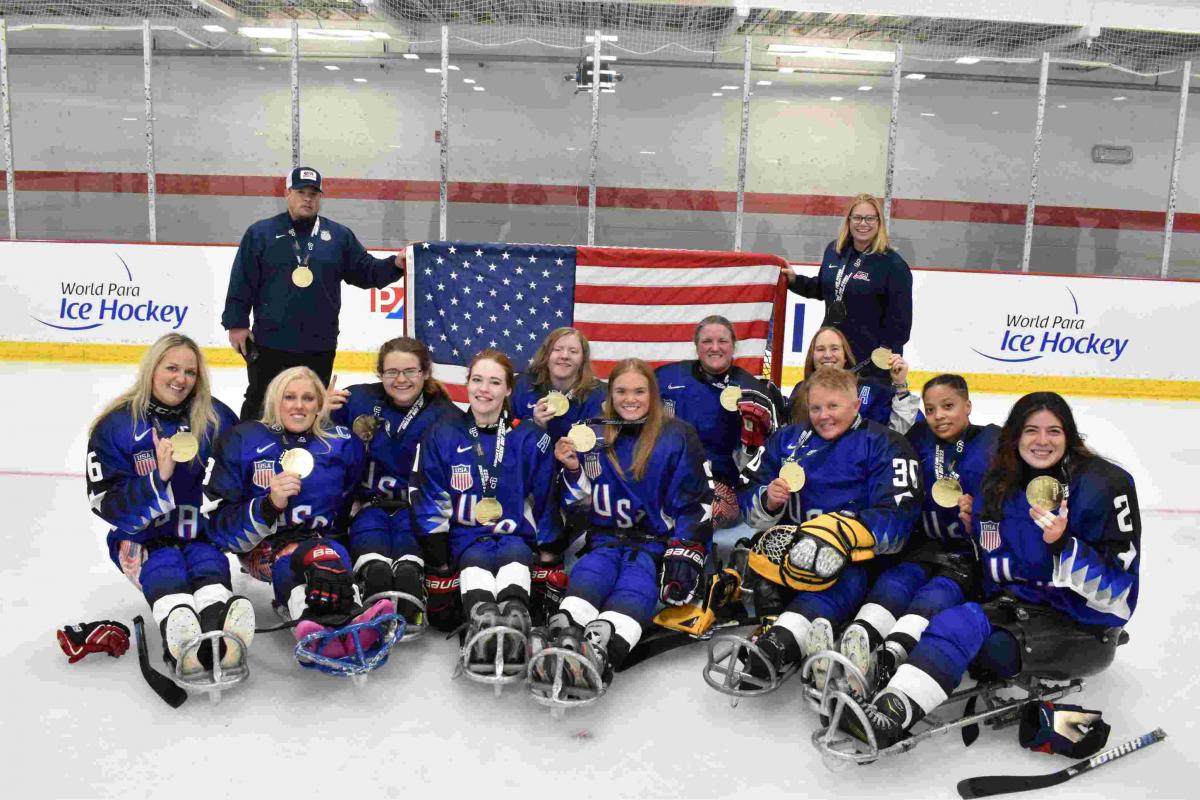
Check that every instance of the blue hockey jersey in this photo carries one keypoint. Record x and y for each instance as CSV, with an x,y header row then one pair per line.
x,y
526,395
968,466
690,394
391,451
869,471
123,484
446,485
249,456
673,499
1092,572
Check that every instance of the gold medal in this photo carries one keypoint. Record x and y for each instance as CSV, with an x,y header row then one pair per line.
x,y
1045,493
946,492
583,437
488,510
793,475
364,426
730,396
302,276
881,357
557,402
297,461
184,446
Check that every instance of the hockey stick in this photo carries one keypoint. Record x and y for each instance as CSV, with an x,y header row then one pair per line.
x,y
988,785
163,686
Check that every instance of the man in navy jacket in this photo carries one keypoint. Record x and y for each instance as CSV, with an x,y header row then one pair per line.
x,y
288,273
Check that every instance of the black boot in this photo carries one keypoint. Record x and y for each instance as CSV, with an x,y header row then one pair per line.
x,y
409,578
373,578
889,718
780,648
212,618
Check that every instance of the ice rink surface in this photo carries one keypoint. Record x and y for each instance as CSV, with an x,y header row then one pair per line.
x,y
94,729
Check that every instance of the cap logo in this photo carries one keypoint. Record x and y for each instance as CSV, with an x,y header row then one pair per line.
x,y
308,175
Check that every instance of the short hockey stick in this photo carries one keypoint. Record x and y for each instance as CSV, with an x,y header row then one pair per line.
x,y
163,686
988,785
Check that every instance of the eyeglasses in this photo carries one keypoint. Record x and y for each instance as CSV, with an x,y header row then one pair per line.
x,y
859,219
410,374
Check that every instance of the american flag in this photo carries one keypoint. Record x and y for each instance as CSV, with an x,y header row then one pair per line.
x,y
629,302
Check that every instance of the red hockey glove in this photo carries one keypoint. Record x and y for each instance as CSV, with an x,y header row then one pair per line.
x,y
102,636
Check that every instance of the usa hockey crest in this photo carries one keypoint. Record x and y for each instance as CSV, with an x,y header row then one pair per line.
x,y
145,462
989,535
264,470
460,478
669,407
591,465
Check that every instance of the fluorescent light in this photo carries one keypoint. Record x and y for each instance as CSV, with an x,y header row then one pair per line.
x,y
762,83
603,58
215,29
718,94
360,80
410,56
332,67
468,80
646,152
479,88
1120,97
841,53
608,91
433,70
453,67
128,119
787,70
1061,105
603,38
267,50
927,114
864,88
968,60
320,34
837,98
995,113
915,76
730,88
193,46
784,102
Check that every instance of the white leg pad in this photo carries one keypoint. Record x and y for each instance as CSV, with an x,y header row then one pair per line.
x,y
474,579
919,687
513,574
798,624
581,611
624,626
911,625
877,617
163,605
367,558
208,595
296,603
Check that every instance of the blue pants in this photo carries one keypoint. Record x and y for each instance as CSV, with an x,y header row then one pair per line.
x,y
837,603
495,568
176,569
387,534
619,579
896,586
953,639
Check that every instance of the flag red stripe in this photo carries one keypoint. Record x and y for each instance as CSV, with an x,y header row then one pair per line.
x,y
631,332
458,392
751,365
674,295
670,259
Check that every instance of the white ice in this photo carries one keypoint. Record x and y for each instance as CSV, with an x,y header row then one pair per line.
x,y
94,729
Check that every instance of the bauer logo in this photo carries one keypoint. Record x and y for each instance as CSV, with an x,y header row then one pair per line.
x,y
1070,333
81,305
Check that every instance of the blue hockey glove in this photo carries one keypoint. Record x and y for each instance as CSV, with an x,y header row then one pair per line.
x,y
1066,730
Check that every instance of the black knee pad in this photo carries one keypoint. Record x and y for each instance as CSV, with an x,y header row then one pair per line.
x,y
1051,644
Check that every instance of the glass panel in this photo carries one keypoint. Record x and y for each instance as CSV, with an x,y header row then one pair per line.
x,y
1185,242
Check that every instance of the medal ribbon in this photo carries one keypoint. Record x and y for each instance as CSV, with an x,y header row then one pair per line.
x,y
410,416
312,237
488,478
940,468
841,280
808,433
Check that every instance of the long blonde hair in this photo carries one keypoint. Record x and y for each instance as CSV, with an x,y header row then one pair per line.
x,y
202,417
270,412
880,243
651,428
539,365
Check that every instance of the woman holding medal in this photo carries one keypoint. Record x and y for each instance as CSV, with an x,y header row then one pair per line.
x,y
147,452
890,404
1059,533
390,417
732,411
647,496
941,568
479,492
282,485
866,285
834,492
559,388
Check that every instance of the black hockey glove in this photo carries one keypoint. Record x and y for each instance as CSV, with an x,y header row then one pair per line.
x,y
548,584
329,587
444,604
682,566
102,636
1066,730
